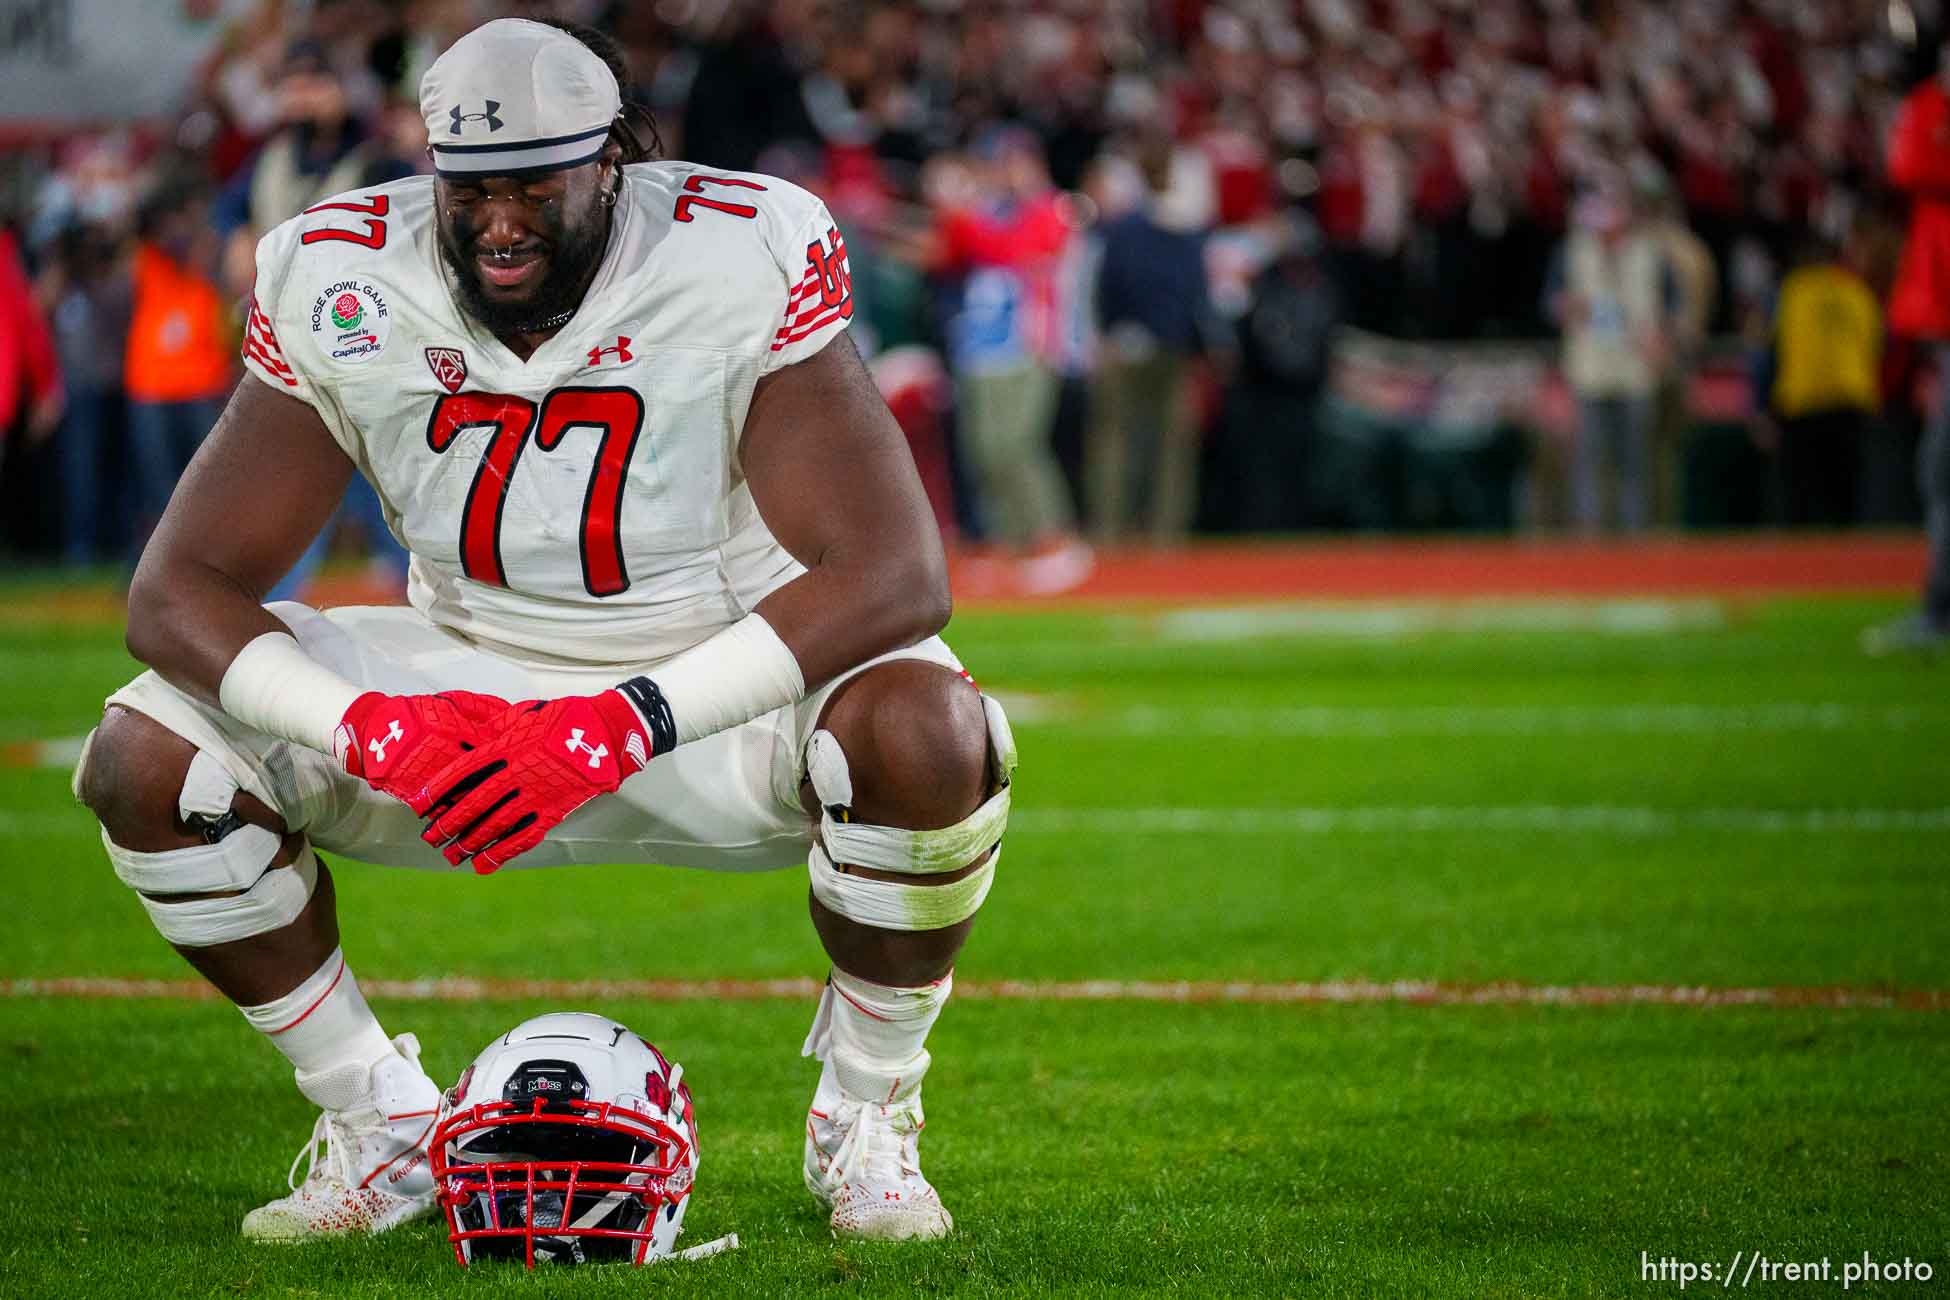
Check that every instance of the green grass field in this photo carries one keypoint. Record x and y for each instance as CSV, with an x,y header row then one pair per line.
x,y
1630,794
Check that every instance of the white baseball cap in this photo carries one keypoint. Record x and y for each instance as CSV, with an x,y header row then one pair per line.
x,y
517,96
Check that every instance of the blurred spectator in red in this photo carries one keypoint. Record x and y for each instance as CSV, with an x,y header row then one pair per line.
x,y
1919,164
180,362
30,401
1153,320
916,388
1607,293
1005,232
30,377
1819,385
1366,210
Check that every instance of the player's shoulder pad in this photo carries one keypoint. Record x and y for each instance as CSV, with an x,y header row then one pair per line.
x,y
355,233
776,214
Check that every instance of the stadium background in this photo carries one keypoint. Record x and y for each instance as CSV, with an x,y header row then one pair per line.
x,y
1396,913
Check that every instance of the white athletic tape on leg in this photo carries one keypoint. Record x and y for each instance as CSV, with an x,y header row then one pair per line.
x,y
896,904
890,848
272,903
208,788
233,862
878,1041
832,779
81,763
1002,741
918,853
819,1039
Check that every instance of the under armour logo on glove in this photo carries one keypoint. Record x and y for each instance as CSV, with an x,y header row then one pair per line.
x,y
378,746
421,734
493,122
597,752
547,759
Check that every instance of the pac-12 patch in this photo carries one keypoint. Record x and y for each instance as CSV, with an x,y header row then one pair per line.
x,y
350,321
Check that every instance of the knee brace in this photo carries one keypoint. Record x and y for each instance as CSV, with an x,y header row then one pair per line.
x,y
234,864
899,904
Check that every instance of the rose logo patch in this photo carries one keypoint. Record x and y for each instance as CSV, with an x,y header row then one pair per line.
x,y
346,312
350,321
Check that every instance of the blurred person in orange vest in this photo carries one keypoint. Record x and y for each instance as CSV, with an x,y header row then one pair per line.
x,y
1919,308
178,367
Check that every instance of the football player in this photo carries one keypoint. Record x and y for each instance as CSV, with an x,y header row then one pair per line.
x,y
652,498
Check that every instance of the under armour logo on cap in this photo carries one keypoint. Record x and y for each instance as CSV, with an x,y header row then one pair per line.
x,y
553,101
494,123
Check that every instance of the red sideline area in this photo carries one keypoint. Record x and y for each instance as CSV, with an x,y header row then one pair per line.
x,y
1364,569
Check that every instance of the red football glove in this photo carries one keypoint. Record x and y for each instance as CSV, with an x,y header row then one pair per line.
x,y
396,742
547,758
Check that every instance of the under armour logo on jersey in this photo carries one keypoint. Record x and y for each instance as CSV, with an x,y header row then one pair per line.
x,y
378,745
494,123
619,349
597,753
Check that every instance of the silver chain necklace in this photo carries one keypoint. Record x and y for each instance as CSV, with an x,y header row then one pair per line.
x,y
554,322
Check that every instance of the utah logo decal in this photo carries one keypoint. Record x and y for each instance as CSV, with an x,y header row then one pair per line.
x,y
449,366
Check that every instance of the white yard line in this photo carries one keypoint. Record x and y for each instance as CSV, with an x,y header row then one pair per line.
x,y
1393,621
1335,992
1490,720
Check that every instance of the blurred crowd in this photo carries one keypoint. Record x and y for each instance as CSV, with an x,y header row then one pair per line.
x,y
1107,252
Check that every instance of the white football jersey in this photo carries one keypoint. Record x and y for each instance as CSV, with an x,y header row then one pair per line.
x,y
586,504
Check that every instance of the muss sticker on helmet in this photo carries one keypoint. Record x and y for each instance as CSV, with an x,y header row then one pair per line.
x,y
553,1081
350,321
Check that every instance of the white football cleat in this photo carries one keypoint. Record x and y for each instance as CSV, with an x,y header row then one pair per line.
x,y
863,1162
368,1168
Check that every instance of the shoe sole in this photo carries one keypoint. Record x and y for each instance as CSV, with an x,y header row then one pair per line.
x,y
926,1226
409,1213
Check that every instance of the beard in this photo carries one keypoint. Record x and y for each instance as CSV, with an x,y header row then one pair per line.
x,y
573,248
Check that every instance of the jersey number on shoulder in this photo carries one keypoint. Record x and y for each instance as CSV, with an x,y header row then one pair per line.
x,y
373,236
616,417
696,184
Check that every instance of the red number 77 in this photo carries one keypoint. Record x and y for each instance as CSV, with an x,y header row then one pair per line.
x,y
373,209
696,184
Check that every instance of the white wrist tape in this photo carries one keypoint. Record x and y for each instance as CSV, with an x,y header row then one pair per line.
x,y
743,672
275,686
